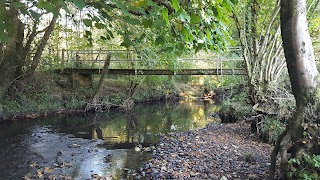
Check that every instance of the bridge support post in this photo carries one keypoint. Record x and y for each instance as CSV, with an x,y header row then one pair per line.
x,y
62,57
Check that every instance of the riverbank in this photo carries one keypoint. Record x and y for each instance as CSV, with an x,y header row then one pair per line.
x,y
218,151
46,94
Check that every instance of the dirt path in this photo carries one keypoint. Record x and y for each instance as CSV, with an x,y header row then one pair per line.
x,y
218,151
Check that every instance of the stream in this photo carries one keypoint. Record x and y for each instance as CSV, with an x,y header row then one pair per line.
x,y
114,144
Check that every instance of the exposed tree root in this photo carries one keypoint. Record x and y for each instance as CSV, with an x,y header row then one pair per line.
x,y
292,134
275,151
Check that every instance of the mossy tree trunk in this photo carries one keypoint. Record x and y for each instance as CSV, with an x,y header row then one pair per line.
x,y
302,71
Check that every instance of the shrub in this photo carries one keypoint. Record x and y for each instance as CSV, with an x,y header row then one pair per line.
x,y
236,106
271,128
308,168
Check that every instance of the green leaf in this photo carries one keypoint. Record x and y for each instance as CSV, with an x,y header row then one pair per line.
x,y
199,46
165,15
35,14
215,11
131,20
106,15
175,5
79,3
234,1
208,34
296,161
126,42
95,18
88,33
87,22
160,40
159,24
147,23
48,7
168,49
99,25
103,38
227,4
123,8
183,16
185,33
140,38
64,6
150,3
195,19
180,46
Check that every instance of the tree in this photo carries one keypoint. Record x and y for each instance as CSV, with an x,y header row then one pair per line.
x,y
258,30
20,37
303,75
184,24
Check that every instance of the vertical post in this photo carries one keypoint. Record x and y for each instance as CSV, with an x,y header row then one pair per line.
x,y
216,62
92,57
221,74
62,57
77,63
135,63
67,52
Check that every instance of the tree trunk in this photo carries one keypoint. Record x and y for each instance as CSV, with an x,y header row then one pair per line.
x,y
43,43
94,105
258,41
302,71
10,65
298,48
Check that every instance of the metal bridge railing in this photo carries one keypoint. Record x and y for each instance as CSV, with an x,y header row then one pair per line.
x,y
128,59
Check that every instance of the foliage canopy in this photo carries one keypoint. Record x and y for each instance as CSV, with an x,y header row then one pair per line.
x,y
173,25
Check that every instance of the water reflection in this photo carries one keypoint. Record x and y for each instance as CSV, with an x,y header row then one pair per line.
x,y
117,133
143,123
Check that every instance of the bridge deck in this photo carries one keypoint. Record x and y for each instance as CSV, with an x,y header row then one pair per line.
x,y
236,71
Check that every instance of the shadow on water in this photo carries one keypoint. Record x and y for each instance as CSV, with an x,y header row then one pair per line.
x,y
104,144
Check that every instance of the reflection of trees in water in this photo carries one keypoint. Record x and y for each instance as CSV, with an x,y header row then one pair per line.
x,y
132,127
97,127
168,117
143,122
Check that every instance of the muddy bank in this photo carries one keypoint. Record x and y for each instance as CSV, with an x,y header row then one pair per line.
x,y
214,152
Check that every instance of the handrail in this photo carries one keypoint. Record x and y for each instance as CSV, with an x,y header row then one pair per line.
x,y
125,59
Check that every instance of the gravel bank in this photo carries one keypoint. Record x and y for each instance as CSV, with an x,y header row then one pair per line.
x,y
218,151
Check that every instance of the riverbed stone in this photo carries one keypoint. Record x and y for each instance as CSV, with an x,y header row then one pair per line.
x,y
213,152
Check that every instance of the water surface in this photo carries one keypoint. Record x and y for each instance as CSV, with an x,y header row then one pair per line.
x,y
103,144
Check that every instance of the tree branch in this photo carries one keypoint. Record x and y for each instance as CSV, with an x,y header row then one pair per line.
x,y
165,4
275,13
43,42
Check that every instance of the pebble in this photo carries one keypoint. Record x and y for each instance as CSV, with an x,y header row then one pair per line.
x,y
217,151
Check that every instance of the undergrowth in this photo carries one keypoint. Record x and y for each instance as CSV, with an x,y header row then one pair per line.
x,y
45,92
235,105
271,128
307,169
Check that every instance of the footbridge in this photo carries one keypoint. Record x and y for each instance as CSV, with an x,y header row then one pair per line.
x,y
125,62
